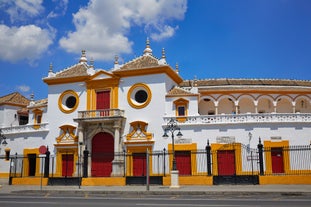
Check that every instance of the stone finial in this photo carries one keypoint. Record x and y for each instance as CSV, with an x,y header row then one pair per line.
x,y
116,60
148,50
83,58
162,61
51,68
51,73
32,99
90,69
177,68
163,53
92,63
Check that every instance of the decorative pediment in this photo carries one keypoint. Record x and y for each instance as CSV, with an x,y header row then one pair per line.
x,y
145,61
67,135
138,132
102,75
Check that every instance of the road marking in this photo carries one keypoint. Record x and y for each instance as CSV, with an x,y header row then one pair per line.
x,y
180,204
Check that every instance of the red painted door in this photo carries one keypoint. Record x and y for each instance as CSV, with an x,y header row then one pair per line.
x,y
139,164
102,154
183,162
67,165
103,101
277,160
226,162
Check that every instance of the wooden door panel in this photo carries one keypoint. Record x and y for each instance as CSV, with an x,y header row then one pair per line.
x,y
226,162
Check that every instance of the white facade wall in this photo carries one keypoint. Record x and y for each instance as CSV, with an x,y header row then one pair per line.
x,y
153,113
56,117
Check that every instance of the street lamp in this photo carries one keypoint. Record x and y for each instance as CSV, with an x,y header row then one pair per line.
x,y
2,139
172,127
250,135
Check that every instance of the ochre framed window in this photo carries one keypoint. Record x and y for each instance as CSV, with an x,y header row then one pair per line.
x,y
181,107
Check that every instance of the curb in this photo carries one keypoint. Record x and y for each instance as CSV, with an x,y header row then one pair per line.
x,y
141,193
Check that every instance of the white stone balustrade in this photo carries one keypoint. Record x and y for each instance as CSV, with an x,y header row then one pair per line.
x,y
100,113
25,128
246,118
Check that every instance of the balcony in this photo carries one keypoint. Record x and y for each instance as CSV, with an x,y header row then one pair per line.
x,y
100,115
29,128
246,118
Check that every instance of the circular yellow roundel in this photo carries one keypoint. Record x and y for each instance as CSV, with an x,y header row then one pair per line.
x,y
139,95
68,101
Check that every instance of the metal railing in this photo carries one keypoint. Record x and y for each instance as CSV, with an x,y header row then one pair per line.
x,y
100,113
232,159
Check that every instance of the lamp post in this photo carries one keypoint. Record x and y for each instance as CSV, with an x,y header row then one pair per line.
x,y
2,139
172,127
250,135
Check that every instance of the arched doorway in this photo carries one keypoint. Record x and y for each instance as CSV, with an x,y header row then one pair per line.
x,y
102,154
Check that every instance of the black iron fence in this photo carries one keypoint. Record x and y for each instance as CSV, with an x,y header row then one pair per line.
x,y
229,160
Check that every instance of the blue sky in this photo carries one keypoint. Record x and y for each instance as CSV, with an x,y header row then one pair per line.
x,y
207,38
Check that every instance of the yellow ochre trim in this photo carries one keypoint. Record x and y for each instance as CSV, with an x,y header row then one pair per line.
x,y
185,147
137,149
150,71
26,161
104,181
236,147
70,149
267,155
285,180
30,181
60,101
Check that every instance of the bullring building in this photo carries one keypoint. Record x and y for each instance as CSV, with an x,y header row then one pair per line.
x,y
106,127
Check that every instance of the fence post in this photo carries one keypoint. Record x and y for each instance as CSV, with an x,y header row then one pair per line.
x,y
47,163
260,154
85,162
164,161
208,158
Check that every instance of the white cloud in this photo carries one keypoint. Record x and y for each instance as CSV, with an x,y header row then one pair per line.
x,y
164,33
23,88
103,25
25,42
59,10
18,10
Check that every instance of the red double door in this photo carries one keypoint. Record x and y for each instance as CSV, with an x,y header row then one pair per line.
x,y
103,102
102,154
67,165
226,162
183,163
277,160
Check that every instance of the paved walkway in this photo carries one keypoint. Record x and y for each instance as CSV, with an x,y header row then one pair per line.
x,y
157,189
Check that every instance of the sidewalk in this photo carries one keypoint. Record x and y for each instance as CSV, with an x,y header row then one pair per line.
x,y
290,190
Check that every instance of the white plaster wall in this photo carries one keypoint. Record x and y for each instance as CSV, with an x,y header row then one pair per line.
x,y
10,117
1,116
297,134
56,117
153,113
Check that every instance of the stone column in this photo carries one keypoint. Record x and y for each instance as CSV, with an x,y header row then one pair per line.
x,y
256,106
216,107
117,163
294,106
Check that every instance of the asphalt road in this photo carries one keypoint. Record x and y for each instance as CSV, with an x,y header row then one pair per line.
x,y
8,200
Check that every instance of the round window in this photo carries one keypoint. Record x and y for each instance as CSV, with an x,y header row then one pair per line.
x,y
68,101
71,102
139,95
